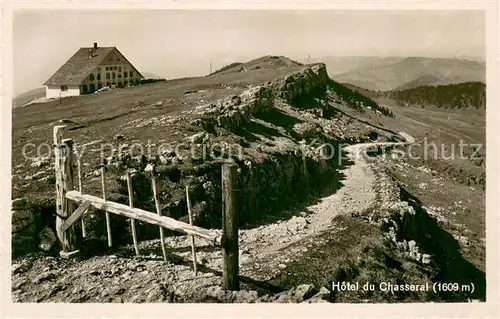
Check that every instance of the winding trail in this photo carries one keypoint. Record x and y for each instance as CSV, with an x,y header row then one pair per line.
x,y
264,252
278,243
266,249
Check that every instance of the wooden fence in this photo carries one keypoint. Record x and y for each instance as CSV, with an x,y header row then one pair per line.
x,y
67,199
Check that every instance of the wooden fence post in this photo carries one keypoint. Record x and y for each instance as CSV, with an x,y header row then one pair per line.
x,y
131,204
63,152
158,211
108,218
193,245
80,188
229,228
304,165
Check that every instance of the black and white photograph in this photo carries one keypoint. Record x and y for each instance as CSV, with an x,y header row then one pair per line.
x,y
248,156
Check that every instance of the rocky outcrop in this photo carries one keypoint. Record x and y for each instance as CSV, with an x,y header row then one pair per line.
x,y
277,171
23,227
305,85
30,228
308,83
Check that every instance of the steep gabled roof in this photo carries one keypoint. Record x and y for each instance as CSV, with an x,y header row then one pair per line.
x,y
76,69
137,71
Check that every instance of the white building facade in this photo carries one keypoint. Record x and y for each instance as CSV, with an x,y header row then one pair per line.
x,y
57,91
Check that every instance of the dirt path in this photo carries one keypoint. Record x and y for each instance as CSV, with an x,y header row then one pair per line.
x,y
264,252
268,248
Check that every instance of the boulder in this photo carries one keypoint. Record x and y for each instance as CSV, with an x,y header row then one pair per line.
x,y
304,292
22,220
18,203
23,232
415,255
426,259
218,293
412,245
47,238
245,296
295,295
322,296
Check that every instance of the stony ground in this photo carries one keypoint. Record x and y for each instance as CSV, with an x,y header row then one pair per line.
x,y
264,252
388,219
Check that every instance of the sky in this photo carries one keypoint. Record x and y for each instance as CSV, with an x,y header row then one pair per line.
x,y
181,43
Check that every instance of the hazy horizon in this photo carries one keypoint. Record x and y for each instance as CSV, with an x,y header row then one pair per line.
x,y
181,43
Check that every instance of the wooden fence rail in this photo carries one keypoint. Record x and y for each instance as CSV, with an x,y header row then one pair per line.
x,y
145,216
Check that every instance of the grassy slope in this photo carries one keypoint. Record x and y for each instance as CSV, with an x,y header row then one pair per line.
x,y
101,116
104,115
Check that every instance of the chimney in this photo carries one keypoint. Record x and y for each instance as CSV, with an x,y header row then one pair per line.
x,y
95,45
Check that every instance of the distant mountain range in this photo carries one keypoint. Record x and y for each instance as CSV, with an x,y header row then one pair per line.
x,y
390,73
26,97
148,75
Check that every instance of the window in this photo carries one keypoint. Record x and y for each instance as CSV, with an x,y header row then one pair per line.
x,y
125,82
108,76
114,75
108,84
114,68
91,77
64,88
92,88
114,83
98,76
119,69
125,74
119,75
131,74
